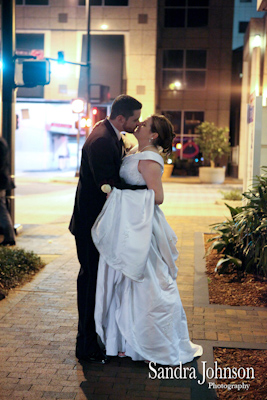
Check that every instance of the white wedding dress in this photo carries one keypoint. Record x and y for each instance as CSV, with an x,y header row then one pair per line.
x,y
138,306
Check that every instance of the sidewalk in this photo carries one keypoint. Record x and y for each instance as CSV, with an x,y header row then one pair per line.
x,y
38,323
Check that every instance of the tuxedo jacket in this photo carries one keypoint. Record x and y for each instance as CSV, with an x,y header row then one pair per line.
x,y
100,164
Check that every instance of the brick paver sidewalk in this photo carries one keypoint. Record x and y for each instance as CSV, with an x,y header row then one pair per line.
x,y
38,324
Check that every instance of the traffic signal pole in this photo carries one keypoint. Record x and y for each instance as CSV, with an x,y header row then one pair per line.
x,y
8,90
88,56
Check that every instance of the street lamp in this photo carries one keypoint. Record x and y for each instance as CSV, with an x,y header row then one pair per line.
x,y
77,106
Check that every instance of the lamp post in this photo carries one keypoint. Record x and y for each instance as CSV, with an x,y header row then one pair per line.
x,y
8,89
88,55
77,106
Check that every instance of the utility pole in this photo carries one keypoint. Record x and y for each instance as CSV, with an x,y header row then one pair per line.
x,y
88,55
8,89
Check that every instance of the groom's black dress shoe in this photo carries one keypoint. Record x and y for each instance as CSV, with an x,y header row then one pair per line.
x,y
96,357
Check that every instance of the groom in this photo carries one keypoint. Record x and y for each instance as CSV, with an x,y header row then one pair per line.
x,y
100,164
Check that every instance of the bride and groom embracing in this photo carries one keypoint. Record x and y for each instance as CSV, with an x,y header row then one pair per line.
x,y
127,291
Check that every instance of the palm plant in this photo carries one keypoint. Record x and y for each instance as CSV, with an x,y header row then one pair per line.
x,y
242,240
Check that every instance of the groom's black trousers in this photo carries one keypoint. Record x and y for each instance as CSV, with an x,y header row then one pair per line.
x,y
86,287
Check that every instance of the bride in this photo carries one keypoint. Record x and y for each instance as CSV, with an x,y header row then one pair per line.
x,y
138,311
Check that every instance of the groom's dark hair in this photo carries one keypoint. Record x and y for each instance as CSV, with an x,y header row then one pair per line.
x,y
124,105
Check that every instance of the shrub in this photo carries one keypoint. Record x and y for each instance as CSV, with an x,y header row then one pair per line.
x,y
213,141
232,194
242,240
17,266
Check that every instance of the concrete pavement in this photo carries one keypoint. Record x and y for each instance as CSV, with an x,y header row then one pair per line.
x,y
38,322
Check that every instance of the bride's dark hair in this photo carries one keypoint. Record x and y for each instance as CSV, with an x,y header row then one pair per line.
x,y
164,128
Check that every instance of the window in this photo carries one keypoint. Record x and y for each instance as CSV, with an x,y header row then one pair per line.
x,y
242,26
104,2
116,2
191,120
184,69
33,2
187,13
185,123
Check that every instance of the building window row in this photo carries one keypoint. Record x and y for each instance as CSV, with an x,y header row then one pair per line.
x,y
79,2
186,13
104,2
32,2
184,69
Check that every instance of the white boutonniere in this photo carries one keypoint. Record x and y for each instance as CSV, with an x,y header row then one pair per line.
x,y
106,188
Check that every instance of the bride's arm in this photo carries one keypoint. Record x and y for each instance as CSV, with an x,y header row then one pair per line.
x,y
151,172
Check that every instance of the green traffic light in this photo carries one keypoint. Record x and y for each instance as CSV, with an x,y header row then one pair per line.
x,y
60,57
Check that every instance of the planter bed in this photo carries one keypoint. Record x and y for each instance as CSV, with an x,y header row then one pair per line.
x,y
246,358
224,291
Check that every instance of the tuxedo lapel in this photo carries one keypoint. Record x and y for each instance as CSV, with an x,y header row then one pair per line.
x,y
123,151
119,143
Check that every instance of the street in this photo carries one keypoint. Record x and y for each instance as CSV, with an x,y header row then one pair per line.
x,y
43,198
41,201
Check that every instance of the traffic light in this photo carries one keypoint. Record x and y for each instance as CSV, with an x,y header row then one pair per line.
x,y
99,93
98,113
35,72
60,57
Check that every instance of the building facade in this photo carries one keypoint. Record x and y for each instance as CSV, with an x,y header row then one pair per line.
x,y
253,120
123,57
176,59
244,10
194,69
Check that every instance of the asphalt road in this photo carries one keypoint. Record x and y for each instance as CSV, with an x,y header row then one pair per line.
x,y
40,201
49,198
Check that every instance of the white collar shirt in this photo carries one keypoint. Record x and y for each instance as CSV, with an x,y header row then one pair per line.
x,y
119,136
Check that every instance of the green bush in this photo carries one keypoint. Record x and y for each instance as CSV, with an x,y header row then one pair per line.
x,y
235,194
242,240
17,266
213,141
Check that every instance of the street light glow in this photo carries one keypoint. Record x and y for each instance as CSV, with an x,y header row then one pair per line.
x,y
77,106
257,41
86,122
175,85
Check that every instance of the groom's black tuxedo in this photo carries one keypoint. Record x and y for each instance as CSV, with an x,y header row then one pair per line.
x,y
100,164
